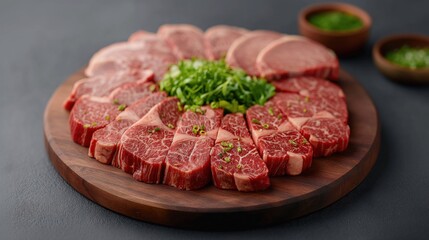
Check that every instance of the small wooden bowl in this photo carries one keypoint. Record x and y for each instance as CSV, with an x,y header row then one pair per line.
x,y
397,72
342,42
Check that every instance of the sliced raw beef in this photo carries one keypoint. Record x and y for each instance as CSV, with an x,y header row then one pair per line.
x,y
102,86
219,38
139,35
326,135
282,147
133,58
89,115
188,160
244,51
300,108
104,141
292,56
128,93
309,86
235,162
144,146
187,41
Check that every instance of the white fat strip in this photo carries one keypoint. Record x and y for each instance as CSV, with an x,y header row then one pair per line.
x,y
295,163
298,122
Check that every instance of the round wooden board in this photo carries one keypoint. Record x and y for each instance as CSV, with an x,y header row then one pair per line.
x,y
328,180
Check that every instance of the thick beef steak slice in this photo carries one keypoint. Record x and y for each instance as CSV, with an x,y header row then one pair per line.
x,y
188,160
235,162
144,146
89,115
104,141
282,147
309,86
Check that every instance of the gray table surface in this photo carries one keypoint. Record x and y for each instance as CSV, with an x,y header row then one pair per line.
x,y
42,42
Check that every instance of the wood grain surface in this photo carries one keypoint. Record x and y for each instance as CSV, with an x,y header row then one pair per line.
x,y
289,197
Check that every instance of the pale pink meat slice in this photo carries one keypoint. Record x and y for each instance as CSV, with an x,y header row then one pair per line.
x,y
103,86
292,56
219,38
132,58
186,41
244,50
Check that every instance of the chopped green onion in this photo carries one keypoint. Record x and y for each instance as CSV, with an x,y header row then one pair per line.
x,y
201,82
227,159
293,143
122,107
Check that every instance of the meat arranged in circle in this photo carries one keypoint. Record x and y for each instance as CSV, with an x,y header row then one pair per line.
x,y
235,162
102,86
186,41
144,146
309,86
118,112
104,141
89,115
133,58
219,38
292,56
244,51
282,147
188,160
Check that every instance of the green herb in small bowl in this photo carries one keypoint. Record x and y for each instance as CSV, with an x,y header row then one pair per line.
x,y
410,57
335,21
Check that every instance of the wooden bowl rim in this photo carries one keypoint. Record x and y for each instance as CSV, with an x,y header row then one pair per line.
x,y
351,9
379,56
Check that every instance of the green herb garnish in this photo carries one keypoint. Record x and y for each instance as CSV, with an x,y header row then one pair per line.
x,y
270,111
214,83
411,57
293,143
227,159
239,149
335,21
116,101
107,118
157,129
122,107
170,125
254,120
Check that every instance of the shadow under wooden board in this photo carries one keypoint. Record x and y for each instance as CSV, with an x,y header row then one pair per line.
x,y
289,197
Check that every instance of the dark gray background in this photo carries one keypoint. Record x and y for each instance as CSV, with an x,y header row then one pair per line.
x,y
42,42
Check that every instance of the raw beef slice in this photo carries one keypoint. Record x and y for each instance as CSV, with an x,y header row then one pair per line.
x,y
104,141
102,86
219,38
188,160
235,162
300,108
326,135
293,56
89,115
244,51
133,58
144,146
282,147
309,86
185,40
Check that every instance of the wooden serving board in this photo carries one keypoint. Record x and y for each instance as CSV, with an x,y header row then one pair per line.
x,y
328,180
